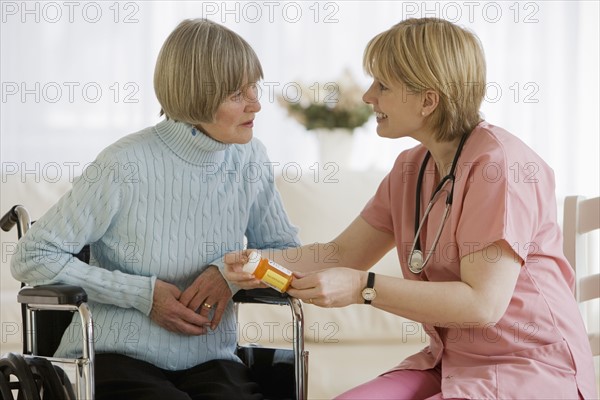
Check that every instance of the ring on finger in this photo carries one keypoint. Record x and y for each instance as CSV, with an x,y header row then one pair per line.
x,y
209,306
310,300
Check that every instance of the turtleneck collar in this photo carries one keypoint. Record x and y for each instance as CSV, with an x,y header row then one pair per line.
x,y
189,143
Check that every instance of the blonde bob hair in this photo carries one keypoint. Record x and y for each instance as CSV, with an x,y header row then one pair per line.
x,y
433,54
201,64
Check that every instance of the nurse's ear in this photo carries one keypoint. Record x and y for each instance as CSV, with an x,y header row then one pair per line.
x,y
429,102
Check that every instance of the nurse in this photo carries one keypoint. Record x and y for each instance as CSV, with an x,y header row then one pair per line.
x,y
471,211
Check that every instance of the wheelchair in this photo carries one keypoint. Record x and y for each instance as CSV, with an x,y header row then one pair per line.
x,y
47,311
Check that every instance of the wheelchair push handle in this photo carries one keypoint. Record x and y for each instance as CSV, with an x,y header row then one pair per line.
x,y
9,220
17,215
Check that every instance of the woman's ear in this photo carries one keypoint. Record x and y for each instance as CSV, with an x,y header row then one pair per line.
x,y
430,101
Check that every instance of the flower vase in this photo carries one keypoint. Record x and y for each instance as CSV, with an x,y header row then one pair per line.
x,y
335,145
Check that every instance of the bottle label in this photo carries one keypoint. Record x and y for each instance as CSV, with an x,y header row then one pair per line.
x,y
274,280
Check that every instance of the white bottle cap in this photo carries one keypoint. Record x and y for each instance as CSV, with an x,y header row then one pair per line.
x,y
253,260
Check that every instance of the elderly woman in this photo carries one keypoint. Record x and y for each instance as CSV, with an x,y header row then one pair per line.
x,y
159,209
472,213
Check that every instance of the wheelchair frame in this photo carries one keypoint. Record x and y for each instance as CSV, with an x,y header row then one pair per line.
x,y
60,297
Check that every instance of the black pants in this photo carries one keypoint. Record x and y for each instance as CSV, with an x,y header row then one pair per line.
x,y
121,377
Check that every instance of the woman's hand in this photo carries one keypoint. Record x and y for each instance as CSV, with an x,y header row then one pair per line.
x,y
333,287
208,291
234,274
168,312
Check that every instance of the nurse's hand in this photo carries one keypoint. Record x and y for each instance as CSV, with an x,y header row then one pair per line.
x,y
333,287
233,270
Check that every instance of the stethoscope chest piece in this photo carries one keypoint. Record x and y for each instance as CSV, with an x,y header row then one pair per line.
x,y
415,261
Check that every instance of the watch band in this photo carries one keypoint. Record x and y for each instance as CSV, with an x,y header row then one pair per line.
x,y
371,280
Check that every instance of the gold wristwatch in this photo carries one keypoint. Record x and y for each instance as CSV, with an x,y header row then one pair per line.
x,y
369,293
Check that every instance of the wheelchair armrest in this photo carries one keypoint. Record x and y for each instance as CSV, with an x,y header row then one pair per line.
x,y
52,295
264,296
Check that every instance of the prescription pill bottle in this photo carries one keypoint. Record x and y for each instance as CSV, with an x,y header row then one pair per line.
x,y
269,272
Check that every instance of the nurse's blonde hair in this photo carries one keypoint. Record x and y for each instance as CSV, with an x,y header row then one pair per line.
x,y
433,54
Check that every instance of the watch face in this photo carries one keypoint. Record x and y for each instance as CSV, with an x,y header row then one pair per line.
x,y
369,294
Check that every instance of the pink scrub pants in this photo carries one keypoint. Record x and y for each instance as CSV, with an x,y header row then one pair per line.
x,y
399,385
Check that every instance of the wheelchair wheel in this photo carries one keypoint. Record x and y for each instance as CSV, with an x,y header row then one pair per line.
x,y
35,379
66,384
5,389
15,365
47,379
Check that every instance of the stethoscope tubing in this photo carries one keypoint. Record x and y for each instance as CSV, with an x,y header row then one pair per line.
x,y
416,264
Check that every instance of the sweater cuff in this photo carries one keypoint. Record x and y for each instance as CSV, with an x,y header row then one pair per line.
x,y
142,295
220,264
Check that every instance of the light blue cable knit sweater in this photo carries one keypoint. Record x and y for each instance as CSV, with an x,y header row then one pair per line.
x,y
163,203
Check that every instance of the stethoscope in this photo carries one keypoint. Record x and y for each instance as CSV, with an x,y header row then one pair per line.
x,y
416,264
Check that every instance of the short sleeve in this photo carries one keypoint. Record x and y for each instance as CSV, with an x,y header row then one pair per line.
x,y
498,204
377,211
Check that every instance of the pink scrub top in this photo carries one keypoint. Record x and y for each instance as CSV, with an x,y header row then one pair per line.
x,y
503,191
